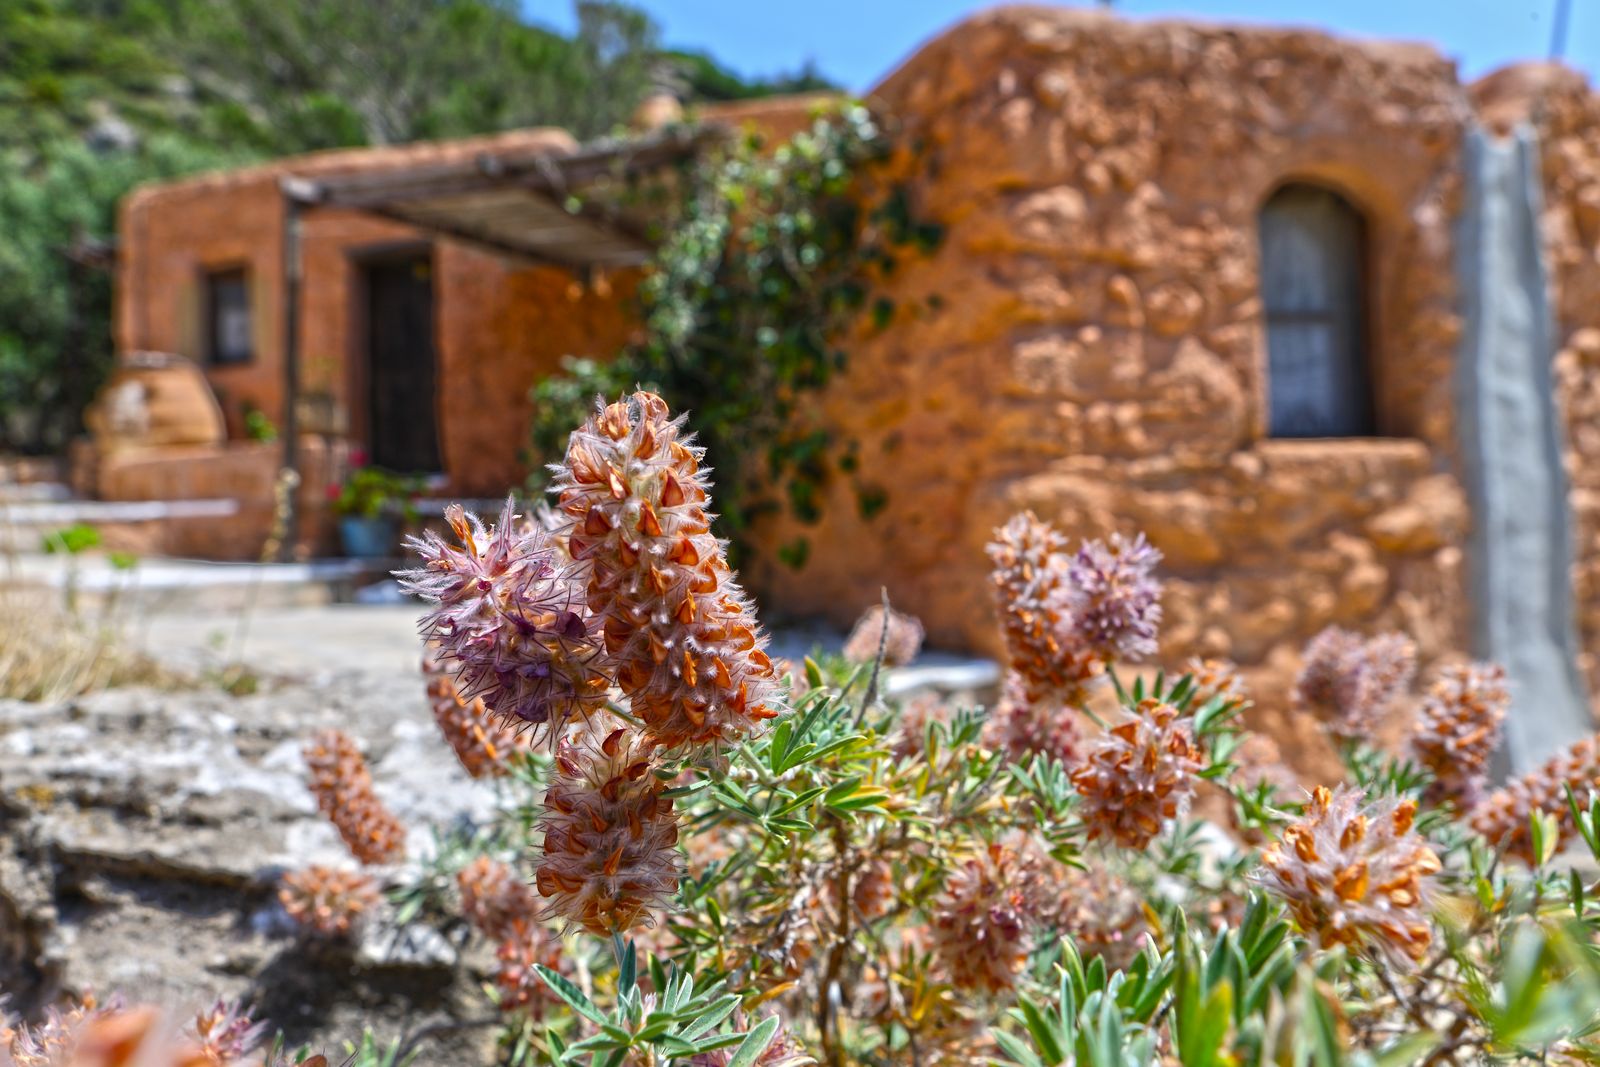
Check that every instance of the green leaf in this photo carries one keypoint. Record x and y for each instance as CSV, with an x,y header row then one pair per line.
x,y
711,1044
1407,1050
628,971
1322,1030
570,993
658,973
1043,1033
712,1015
1019,1052
801,800
813,673
1545,835
755,1043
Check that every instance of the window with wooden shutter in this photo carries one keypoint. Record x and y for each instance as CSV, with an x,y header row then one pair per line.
x,y
230,334
1313,289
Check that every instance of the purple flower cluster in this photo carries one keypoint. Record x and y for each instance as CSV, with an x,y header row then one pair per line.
x,y
511,617
1350,682
1065,617
1114,598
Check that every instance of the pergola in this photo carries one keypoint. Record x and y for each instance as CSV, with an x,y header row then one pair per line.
x,y
541,205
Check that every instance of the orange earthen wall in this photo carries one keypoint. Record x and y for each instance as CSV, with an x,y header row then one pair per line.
x,y
501,325
1087,341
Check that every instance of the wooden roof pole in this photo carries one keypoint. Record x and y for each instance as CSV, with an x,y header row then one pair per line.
x,y
296,193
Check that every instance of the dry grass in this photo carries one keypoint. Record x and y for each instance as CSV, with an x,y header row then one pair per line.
x,y
47,653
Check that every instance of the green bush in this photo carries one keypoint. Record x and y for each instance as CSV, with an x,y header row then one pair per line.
x,y
372,492
769,256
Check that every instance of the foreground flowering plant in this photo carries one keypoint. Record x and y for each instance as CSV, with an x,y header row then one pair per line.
x,y
723,861
705,858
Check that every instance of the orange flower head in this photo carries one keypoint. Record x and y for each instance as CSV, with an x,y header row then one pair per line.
x,y
343,789
681,634
981,924
328,902
1458,729
494,898
1139,775
1503,819
1355,873
1043,647
482,742
610,856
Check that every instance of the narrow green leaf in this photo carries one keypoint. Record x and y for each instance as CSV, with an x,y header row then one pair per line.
x,y
570,993
755,1043
1040,1028
1020,1053
628,971
713,1015
1407,1050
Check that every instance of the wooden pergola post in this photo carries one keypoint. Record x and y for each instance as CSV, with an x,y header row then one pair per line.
x,y
296,193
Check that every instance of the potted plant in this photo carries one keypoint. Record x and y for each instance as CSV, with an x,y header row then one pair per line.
x,y
371,505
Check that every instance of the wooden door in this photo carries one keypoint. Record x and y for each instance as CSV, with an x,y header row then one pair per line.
x,y
402,367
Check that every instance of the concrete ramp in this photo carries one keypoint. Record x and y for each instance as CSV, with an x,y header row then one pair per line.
x,y
1521,550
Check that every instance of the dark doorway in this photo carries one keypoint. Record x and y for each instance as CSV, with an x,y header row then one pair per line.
x,y
402,430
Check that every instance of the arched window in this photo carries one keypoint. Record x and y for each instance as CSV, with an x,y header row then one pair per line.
x,y
1313,289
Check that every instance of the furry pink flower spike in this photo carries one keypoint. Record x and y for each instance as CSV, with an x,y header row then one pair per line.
x,y
1114,600
610,838
493,898
1141,773
326,901
900,637
521,989
1043,647
483,743
1023,728
511,618
342,786
682,636
982,923
1355,873
1351,683
1503,818
1458,729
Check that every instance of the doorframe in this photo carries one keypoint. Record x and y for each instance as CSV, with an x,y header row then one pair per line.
x,y
358,358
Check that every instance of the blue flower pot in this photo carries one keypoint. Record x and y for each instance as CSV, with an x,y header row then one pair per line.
x,y
364,538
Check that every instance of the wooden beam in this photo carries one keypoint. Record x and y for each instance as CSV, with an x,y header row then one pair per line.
x,y
467,200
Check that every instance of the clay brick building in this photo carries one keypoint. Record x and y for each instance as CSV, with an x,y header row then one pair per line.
x,y
1314,314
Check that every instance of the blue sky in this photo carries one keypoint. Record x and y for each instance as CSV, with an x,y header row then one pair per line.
x,y
856,42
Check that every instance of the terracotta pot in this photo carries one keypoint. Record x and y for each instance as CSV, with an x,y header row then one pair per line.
x,y
154,399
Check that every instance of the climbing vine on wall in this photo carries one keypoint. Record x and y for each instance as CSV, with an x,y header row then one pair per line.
x,y
768,257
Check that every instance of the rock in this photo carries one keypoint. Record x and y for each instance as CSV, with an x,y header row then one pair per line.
x,y
145,831
1433,514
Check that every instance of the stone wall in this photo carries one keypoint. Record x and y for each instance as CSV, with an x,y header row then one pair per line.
x,y
1565,114
1088,343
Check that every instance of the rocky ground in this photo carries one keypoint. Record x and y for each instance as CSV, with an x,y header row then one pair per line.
x,y
142,831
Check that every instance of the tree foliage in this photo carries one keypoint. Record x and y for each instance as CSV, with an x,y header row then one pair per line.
x,y
770,257
295,76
